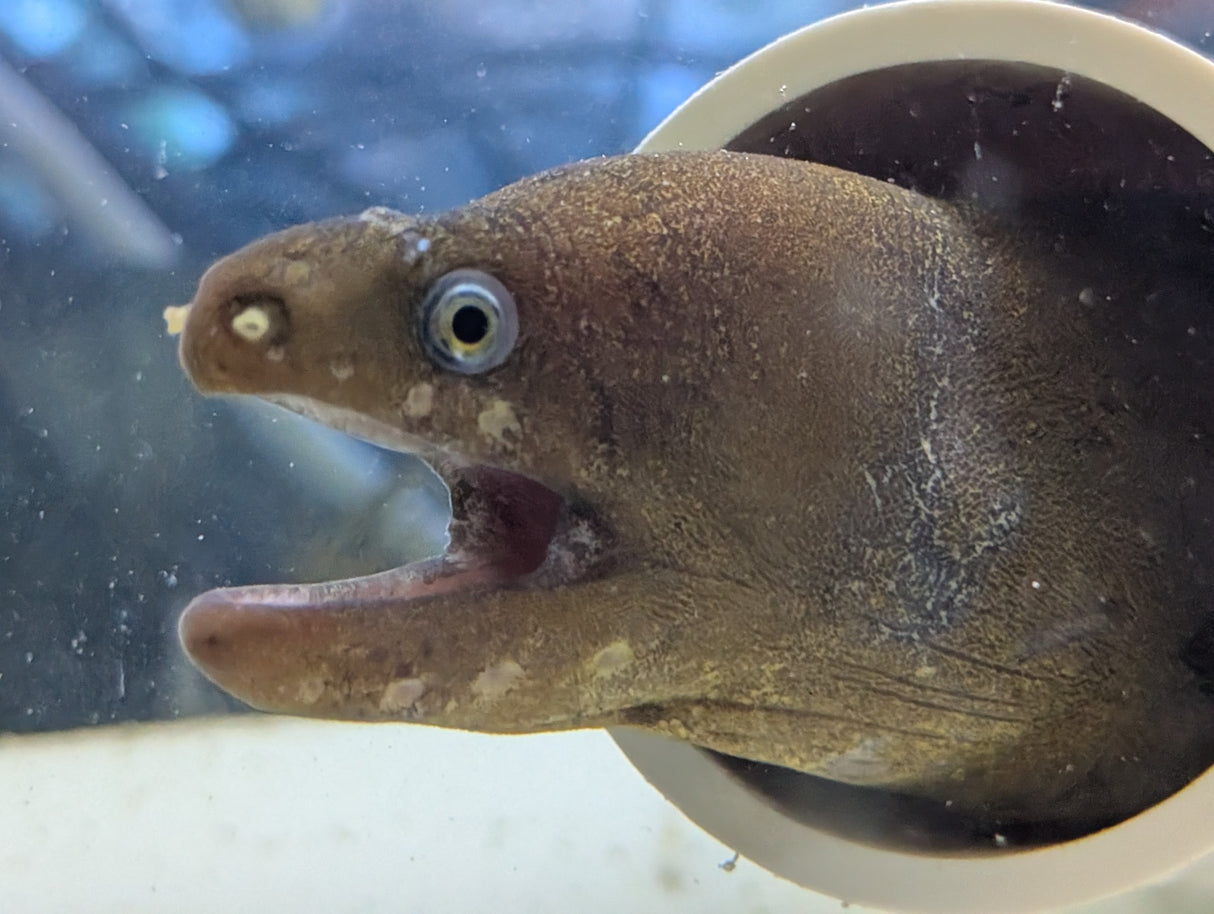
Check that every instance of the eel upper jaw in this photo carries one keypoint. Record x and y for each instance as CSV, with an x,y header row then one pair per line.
x,y
507,531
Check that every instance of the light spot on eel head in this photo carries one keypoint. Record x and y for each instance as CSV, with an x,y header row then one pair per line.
x,y
419,400
401,695
497,420
401,226
495,681
297,273
614,658
380,215
251,324
342,368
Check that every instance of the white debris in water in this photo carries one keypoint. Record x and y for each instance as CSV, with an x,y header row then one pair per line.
x,y
174,318
1087,296
1060,92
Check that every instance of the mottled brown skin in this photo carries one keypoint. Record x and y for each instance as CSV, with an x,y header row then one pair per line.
x,y
876,497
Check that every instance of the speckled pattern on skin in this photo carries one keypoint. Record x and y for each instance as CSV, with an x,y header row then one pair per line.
x,y
829,476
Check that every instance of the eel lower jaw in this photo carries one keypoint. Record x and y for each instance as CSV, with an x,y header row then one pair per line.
x,y
507,532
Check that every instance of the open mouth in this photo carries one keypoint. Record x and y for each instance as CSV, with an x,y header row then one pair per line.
x,y
507,530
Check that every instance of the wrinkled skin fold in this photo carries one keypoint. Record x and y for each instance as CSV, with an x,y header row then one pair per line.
x,y
786,462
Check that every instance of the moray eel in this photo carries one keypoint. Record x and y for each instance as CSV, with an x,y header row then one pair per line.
x,y
777,459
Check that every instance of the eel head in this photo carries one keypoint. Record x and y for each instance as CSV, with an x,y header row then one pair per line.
x,y
555,352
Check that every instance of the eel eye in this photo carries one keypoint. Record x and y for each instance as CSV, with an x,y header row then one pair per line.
x,y
468,322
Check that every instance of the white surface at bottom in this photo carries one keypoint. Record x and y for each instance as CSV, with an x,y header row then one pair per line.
x,y
275,815
266,815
